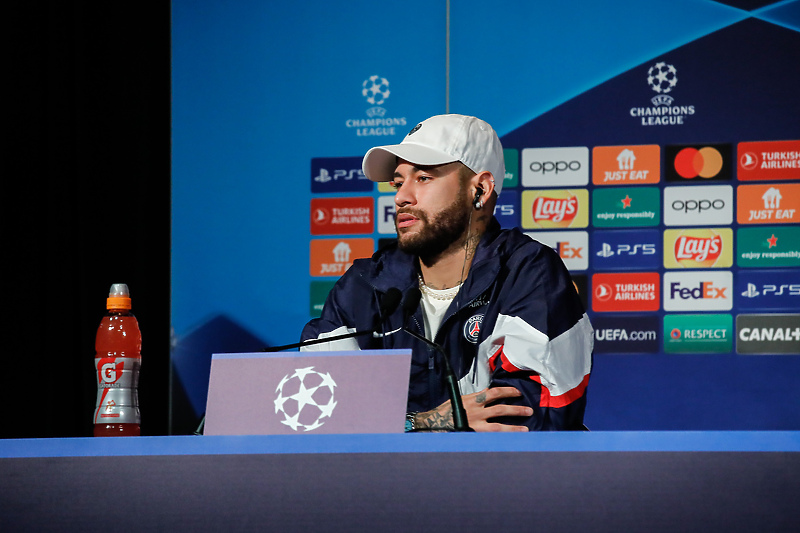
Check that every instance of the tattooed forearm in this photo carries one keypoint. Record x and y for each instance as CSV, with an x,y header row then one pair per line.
x,y
434,420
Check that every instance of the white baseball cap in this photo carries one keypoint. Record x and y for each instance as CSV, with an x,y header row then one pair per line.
x,y
438,140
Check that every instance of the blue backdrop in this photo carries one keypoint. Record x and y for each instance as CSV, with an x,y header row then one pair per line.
x,y
268,95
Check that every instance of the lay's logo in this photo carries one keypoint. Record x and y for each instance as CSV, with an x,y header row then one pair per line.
x,y
548,209
555,210
698,248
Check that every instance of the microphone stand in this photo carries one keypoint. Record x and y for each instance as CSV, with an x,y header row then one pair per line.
x,y
319,341
459,414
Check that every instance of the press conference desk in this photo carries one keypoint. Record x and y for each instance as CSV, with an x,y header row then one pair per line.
x,y
595,481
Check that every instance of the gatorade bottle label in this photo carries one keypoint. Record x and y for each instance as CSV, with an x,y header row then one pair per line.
x,y
117,396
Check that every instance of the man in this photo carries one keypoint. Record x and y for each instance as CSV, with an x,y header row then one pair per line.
x,y
501,305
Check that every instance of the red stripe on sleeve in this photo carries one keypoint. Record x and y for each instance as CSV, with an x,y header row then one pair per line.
x,y
561,400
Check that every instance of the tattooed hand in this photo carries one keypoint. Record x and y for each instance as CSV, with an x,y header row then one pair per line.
x,y
479,410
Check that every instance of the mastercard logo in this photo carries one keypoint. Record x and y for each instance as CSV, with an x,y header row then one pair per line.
x,y
705,162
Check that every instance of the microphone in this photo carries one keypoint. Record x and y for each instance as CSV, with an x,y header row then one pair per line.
x,y
388,304
410,304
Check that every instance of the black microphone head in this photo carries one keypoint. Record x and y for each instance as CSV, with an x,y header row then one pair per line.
x,y
411,301
390,301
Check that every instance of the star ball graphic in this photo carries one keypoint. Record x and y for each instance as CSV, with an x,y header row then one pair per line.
x,y
305,399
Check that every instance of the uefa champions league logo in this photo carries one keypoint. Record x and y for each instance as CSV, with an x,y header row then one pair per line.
x,y
305,398
376,90
662,78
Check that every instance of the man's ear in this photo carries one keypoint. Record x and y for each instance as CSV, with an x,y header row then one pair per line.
x,y
485,182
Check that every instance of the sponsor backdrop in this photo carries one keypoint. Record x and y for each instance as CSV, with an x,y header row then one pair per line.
x,y
655,146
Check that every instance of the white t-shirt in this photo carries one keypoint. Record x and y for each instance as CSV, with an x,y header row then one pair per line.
x,y
434,306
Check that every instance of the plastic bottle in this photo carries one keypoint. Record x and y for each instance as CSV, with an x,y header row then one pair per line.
x,y
117,361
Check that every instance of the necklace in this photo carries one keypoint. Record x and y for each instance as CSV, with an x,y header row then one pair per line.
x,y
438,294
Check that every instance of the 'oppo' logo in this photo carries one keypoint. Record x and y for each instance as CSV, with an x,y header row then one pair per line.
x,y
698,205
555,166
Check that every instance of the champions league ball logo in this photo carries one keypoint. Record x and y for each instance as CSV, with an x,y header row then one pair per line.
x,y
662,78
305,399
375,89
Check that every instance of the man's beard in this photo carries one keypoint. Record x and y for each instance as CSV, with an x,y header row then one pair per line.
x,y
436,235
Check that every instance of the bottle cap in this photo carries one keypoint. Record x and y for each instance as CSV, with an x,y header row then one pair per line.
x,y
118,297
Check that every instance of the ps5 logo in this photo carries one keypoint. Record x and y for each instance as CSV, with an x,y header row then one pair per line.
x,y
751,291
607,250
325,176
772,290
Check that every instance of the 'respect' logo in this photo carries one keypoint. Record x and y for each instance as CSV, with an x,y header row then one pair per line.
x,y
698,291
698,248
768,204
629,291
769,160
707,333
701,162
558,208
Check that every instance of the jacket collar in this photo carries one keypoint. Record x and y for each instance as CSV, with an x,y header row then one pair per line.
x,y
391,267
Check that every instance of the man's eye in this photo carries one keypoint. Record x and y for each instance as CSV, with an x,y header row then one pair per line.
x,y
395,184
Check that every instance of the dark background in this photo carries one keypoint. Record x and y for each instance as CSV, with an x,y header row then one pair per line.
x,y
87,205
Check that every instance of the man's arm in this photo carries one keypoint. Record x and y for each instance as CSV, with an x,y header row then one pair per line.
x,y
480,407
541,343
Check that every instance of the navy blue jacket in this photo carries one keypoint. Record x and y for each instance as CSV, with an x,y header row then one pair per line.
x,y
516,321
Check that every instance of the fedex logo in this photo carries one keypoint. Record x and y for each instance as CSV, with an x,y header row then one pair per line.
x,y
571,246
705,289
698,291
385,214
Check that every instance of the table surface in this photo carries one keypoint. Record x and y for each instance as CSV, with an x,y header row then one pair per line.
x,y
602,441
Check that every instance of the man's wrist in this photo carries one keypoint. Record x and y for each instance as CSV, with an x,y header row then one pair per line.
x,y
411,422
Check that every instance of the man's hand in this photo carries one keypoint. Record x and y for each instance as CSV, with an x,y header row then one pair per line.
x,y
479,408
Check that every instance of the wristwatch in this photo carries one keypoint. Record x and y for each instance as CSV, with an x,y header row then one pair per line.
x,y
411,422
